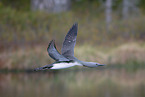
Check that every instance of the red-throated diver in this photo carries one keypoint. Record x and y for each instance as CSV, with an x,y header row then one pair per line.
x,y
66,58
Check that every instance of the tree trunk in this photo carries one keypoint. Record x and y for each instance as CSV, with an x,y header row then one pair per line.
x,y
54,6
108,13
130,8
125,10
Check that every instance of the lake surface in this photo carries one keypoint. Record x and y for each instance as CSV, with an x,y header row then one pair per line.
x,y
70,83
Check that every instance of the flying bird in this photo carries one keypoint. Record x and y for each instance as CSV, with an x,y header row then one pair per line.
x,y
66,58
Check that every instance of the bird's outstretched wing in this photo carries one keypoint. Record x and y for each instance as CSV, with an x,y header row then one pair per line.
x,y
69,42
54,54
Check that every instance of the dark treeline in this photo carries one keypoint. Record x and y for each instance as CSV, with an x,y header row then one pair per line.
x,y
25,4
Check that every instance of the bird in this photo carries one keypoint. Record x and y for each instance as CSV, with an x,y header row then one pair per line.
x,y
66,59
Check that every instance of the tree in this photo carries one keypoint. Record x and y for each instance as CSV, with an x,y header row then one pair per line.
x,y
130,8
125,10
108,12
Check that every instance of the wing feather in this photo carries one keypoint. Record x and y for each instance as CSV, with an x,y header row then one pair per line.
x,y
69,42
54,54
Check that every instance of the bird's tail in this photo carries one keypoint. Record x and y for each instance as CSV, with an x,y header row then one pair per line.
x,y
42,68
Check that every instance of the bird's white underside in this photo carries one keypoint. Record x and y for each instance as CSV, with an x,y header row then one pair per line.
x,y
64,65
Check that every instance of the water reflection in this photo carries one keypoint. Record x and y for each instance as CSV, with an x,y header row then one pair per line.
x,y
95,83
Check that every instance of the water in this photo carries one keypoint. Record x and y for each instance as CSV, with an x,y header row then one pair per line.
x,y
79,83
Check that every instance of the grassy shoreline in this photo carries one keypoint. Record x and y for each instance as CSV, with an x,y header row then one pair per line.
x,y
128,55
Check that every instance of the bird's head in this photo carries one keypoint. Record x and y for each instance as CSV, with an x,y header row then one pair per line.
x,y
92,64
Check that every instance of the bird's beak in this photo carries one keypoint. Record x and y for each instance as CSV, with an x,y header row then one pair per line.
x,y
101,64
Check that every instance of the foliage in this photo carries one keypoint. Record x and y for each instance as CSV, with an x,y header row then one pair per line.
x,y
26,27
142,4
19,5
